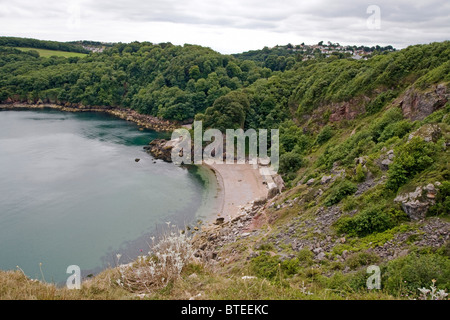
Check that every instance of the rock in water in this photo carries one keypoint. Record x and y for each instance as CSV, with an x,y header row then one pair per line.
x,y
137,159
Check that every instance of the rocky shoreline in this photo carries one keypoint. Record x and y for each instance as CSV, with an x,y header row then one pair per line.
x,y
142,120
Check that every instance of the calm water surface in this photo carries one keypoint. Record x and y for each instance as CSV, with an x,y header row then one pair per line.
x,y
71,192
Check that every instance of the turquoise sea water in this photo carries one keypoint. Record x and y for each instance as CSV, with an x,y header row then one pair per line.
x,y
71,192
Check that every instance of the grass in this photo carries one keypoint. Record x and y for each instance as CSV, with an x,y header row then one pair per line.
x,y
14,285
48,53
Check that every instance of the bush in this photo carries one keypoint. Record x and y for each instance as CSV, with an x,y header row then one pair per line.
x,y
290,267
412,158
407,274
340,191
265,266
397,129
271,268
380,101
389,117
347,151
266,247
290,162
305,257
442,206
370,220
324,135
360,175
359,259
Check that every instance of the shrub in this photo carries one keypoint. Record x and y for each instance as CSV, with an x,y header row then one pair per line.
x,y
380,101
290,162
359,259
265,266
389,117
370,220
266,246
360,175
412,158
271,268
442,206
305,257
347,151
396,129
290,267
324,135
407,274
339,192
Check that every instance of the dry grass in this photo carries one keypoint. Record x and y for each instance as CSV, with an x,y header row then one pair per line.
x,y
197,282
162,266
14,285
170,272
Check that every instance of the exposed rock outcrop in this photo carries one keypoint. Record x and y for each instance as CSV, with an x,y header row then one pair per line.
x,y
429,132
161,149
415,204
416,105
386,160
348,110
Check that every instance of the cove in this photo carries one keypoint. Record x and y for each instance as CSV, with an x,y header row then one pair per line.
x,y
71,192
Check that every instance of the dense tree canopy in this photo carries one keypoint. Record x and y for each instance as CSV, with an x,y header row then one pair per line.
x,y
180,82
173,82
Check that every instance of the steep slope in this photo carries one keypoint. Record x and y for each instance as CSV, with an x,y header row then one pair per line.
x,y
366,164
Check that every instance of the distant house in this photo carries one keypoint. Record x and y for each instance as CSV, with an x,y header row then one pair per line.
x,y
94,49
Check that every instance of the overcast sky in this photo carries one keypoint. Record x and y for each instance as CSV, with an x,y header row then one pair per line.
x,y
230,26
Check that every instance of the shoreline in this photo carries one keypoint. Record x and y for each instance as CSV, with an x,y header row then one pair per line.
x,y
142,120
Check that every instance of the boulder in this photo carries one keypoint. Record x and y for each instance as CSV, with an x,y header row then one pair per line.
x,y
385,164
260,201
219,221
415,210
361,160
390,154
414,204
273,191
321,256
325,179
310,181
279,182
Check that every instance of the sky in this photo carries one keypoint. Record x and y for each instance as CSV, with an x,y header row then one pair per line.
x,y
230,26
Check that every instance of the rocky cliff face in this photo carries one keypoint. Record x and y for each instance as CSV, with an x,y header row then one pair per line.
x,y
416,104
348,110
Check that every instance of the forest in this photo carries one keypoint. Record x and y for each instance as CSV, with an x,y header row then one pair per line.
x,y
180,82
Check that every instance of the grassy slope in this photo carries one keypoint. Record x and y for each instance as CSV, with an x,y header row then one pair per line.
x,y
48,53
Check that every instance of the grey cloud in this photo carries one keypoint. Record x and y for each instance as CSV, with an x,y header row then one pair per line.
x,y
402,22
